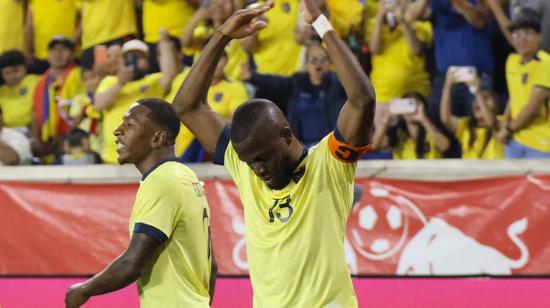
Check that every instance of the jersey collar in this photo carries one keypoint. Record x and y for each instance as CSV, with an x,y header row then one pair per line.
x,y
156,166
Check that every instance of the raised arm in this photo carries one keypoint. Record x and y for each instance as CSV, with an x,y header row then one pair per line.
x,y
417,9
477,15
190,103
123,271
356,117
167,61
445,113
375,42
502,19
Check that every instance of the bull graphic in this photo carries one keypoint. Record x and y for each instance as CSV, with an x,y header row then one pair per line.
x,y
442,249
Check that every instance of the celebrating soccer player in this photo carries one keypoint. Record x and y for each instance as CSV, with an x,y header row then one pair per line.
x,y
296,200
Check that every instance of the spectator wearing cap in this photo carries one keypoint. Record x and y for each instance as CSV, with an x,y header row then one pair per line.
x,y
462,37
541,6
527,119
115,94
16,94
52,99
12,23
45,19
172,15
15,148
106,22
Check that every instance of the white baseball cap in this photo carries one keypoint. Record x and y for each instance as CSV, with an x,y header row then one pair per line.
x,y
135,45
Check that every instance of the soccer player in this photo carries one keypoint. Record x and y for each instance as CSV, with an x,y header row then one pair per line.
x,y
170,253
296,200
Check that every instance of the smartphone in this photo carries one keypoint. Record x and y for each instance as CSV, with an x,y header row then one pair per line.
x,y
100,54
402,106
465,73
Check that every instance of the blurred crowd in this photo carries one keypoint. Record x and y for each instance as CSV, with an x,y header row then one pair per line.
x,y
453,78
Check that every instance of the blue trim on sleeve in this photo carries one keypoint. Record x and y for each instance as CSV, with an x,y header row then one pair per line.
x,y
338,135
151,231
156,166
221,146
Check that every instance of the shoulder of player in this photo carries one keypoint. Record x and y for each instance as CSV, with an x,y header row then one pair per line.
x,y
170,174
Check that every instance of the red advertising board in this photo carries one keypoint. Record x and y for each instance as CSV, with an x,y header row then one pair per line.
x,y
496,226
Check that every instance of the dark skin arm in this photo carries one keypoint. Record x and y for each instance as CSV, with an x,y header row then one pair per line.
x,y
190,103
356,117
123,271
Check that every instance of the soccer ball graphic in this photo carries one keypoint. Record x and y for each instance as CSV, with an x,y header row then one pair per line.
x,y
380,223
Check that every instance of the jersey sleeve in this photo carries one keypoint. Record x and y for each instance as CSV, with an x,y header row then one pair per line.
x,y
225,154
106,83
541,77
158,214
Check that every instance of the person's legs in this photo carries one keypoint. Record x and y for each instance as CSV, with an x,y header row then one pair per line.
x,y
530,153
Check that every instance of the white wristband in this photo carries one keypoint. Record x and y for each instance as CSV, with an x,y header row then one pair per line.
x,y
321,25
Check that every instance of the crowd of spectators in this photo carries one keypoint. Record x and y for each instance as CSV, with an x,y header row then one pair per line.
x,y
453,78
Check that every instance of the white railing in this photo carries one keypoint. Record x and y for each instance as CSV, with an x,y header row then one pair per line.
x,y
421,169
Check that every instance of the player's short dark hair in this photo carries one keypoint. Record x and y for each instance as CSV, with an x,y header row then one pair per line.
x,y
247,119
12,57
163,115
75,137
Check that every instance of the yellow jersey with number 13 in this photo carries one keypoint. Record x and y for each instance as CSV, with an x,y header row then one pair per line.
x,y
295,236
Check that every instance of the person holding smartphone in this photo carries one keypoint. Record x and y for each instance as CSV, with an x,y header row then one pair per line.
x,y
398,46
115,94
408,132
476,131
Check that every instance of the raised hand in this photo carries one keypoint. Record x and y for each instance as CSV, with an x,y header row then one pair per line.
x,y
311,9
246,22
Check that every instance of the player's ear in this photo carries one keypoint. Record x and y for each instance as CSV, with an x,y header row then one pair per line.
x,y
286,135
159,139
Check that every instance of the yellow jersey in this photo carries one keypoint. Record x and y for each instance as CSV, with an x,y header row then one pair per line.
x,y
236,56
171,207
493,149
522,78
223,97
397,70
345,15
106,20
276,41
12,25
148,86
295,236
17,102
50,18
407,150
171,15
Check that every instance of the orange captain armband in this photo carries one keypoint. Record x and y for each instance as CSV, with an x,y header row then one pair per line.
x,y
344,152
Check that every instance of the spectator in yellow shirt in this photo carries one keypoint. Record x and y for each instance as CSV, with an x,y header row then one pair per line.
x,y
172,15
411,135
398,48
12,24
16,94
276,41
527,126
115,94
106,22
45,19
475,132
